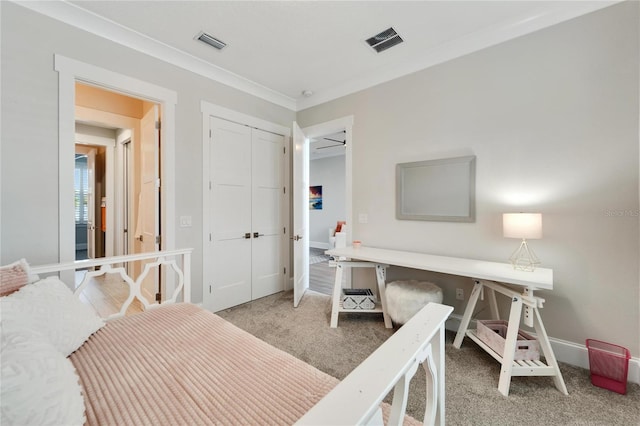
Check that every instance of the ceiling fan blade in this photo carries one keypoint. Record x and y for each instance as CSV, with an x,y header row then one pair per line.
x,y
335,140
330,146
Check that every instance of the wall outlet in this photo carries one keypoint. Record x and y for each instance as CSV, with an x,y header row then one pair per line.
x,y
459,294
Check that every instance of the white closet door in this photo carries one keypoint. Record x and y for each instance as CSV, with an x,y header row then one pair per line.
x,y
230,215
266,213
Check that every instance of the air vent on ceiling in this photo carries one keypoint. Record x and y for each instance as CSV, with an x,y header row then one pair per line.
x,y
210,40
386,39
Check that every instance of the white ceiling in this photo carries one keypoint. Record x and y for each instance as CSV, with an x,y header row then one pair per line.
x,y
331,145
276,50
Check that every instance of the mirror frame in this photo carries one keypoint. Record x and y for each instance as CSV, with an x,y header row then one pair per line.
x,y
439,171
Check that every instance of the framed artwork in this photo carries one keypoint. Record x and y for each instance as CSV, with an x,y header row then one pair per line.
x,y
315,197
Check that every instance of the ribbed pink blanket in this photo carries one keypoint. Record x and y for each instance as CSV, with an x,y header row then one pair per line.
x,y
182,365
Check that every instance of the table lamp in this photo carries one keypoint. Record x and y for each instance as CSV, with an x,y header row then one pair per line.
x,y
525,226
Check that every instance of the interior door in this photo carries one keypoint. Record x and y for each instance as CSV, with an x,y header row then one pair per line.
x,y
230,215
300,214
90,199
149,200
266,226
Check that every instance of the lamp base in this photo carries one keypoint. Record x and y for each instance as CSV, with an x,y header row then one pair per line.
x,y
524,259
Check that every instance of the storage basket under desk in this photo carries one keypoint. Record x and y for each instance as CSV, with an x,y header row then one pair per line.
x,y
494,332
358,299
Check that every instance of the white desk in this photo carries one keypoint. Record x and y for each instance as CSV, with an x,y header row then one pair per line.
x,y
491,276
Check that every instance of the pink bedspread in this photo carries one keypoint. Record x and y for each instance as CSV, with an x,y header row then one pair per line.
x,y
182,365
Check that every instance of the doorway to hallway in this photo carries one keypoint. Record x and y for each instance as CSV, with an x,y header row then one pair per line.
x,y
116,180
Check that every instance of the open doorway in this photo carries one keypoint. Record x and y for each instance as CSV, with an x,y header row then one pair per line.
x,y
300,194
327,206
88,186
116,179
94,184
70,73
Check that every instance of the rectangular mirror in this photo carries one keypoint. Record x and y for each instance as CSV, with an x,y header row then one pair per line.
x,y
438,190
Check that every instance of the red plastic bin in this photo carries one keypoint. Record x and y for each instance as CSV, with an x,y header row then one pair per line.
x,y
609,365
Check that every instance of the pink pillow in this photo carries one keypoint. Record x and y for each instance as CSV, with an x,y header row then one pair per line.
x,y
13,276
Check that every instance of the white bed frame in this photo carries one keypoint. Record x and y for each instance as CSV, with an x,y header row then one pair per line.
x,y
356,399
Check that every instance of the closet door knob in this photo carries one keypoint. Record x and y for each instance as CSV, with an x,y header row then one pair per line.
x,y
256,235
247,235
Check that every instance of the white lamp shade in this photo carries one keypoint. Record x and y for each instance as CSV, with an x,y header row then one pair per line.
x,y
522,225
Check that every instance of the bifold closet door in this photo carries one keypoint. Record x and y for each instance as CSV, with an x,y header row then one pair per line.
x,y
266,212
230,214
245,215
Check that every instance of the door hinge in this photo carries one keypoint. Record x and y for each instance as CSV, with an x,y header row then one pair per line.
x,y
209,289
285,270
284,189
157,183
209,236
284,230
209,133
158,239
158,125
158,297
284,149
209,185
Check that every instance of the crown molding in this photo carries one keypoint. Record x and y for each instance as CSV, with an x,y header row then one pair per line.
x,y
100,26
456,48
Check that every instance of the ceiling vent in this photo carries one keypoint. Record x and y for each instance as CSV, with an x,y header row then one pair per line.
x,y
386,39
210,40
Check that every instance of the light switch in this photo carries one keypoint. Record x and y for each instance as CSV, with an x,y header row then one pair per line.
x,y
185,221
363,218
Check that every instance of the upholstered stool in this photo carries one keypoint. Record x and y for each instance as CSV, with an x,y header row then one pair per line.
x,y
406,298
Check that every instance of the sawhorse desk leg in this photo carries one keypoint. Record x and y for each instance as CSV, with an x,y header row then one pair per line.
x,y
468,312
510,367
381,277
337,290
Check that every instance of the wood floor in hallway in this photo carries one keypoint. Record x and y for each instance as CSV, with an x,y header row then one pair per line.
x,y
106,294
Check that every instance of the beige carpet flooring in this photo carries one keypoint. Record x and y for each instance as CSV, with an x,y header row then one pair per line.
x,y
472,397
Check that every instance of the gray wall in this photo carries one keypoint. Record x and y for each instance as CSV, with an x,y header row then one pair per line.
x,y
553,120
29,210
328,172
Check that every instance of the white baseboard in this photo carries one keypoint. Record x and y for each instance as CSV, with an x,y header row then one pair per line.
x,y
568,352
318,244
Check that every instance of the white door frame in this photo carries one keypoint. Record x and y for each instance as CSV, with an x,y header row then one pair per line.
x,y
209,109
69,72
124,194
